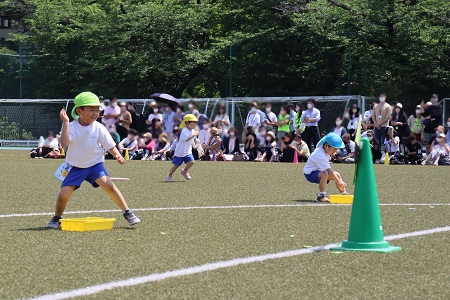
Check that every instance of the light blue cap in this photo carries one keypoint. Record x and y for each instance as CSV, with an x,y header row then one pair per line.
x,y
332,139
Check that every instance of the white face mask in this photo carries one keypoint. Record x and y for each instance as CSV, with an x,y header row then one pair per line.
x,y
370,138
253,109
418,111
268,109
205,126
354,110
232,133
382,99
219,131
113,104
262,133
439,140
438,132
397,110
155,110
310,105
190,105
434,100
338,123
448,124
268,138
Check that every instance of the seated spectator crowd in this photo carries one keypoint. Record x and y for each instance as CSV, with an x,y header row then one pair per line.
x,y
290,136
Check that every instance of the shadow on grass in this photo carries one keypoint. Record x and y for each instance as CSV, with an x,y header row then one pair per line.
x,y
174,181
35,229
305,201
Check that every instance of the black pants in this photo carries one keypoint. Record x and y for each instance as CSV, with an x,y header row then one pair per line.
x,y
311,137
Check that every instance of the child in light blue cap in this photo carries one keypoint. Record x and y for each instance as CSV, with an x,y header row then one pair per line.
x,y
318,169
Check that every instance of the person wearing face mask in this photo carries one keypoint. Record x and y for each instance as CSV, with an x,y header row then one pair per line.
x,y
112,111
311,118
231,143
381,116
292,118
440,152
270,118
353,120
154,115
203,135
261,133
299,125
339,129
374,146
399,122
169,116
415,123
391,146
129,143
282,123
432,118
253,119
222,119
267,148
192,110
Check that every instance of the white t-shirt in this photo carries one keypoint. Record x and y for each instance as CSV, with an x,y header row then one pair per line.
x,y
87,144
224,118
367,115
51,144
353,123
318,161
390,146
111,111
253,119
438,149
351,146
338,131
184,148
203,136
157,116
127,143
272,117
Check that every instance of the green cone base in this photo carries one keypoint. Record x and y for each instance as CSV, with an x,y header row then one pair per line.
x,y
370,247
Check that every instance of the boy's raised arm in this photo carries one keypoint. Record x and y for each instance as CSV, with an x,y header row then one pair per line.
x,y
64,138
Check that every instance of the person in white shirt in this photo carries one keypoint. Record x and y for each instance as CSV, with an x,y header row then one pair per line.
x,y
347,153
447,136
253,119
222,119
154,115
367,117
440,153
86,140
311,118
339,129
129,143
353,120
45,146
270,118
318,170
391,144
203,135
112,111
183,149
192,110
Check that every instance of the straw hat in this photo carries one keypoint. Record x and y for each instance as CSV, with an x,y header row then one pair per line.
x,y
214,131
148,135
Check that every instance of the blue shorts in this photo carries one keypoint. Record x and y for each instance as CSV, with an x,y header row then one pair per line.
x,y
313,177
76,175
180,160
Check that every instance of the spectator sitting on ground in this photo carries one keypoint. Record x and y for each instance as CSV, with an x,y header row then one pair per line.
x,y
45,146
149,145
222,119
339,129
440,153
129,143
270,119
286,149
156,128
391,145
301,148
353,116
261,135
346,154
267,150
413,151
214,144
203,135
251,144
231,142
161,148
415,123
374,146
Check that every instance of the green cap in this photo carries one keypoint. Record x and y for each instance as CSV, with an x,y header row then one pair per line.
x,y
84,99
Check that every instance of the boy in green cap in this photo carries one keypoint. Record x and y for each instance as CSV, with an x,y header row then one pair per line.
x,y
87,140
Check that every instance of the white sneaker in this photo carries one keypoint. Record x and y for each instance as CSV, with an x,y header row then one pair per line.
x,y
186,174
131,218
169,178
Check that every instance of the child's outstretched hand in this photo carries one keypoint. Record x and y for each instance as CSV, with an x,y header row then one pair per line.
x,y
120,159
63,116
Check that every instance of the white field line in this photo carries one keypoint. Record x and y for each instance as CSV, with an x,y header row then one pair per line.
x,y
90,290
214,207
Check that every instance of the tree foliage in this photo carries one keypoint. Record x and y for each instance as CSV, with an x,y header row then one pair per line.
x,y
280,48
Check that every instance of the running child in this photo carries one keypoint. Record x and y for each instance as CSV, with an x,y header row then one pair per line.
x,y
87,139
183,149
318,169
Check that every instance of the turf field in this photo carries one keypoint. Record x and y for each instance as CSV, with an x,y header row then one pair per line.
x,y
227,211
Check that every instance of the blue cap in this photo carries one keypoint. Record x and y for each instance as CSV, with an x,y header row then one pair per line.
x,y
332,139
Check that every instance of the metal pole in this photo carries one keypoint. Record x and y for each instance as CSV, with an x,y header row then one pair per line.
x,y
233,108
349,69
20,92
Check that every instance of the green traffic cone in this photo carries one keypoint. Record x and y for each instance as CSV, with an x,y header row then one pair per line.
x,y
366,231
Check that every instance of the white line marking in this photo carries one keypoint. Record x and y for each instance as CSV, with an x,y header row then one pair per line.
x,y
90,290
214,207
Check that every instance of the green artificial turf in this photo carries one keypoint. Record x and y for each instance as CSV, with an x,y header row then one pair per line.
x,y
36,261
